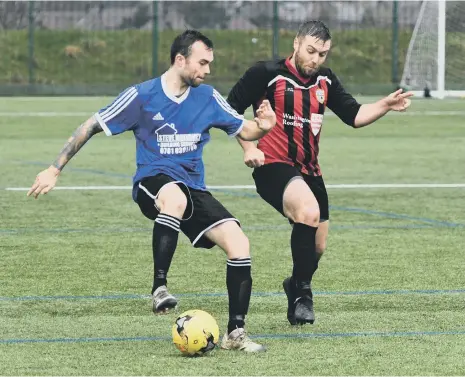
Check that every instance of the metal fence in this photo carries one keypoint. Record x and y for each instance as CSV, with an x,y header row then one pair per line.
x,y
100,47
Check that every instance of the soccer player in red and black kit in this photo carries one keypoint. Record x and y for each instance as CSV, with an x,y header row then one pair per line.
x,y
287,174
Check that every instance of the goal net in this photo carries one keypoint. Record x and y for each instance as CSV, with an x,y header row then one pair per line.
x,y
435,61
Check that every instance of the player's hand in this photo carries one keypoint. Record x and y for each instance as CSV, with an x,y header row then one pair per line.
x,y
266,117
398,101
45,181
254,157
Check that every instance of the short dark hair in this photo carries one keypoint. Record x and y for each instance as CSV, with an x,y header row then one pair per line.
x,y
182,44
314,28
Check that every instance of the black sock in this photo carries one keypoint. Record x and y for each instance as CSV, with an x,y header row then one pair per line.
x,y
304,256
239,283
164,242
317,261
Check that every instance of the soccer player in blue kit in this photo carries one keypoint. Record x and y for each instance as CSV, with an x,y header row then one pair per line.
x,y
170,117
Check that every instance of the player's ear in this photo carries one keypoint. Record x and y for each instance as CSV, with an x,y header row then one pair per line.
x,y
296,43
179,60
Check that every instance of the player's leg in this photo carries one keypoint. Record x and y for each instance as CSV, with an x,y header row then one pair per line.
x,y
318,188
301,207
230,237
321,239
165,202
289,284
212,224
283,187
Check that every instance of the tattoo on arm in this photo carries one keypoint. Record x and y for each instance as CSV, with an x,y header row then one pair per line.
x,y
82,134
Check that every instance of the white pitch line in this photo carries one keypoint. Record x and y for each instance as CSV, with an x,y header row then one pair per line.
x,y
398,185
45,114
428,113
251,187
75,188
79,114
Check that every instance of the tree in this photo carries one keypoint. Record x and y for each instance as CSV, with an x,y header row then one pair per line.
x,y
139,19
13,14
204,14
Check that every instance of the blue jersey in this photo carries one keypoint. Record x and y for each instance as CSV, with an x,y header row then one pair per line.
x,y
170,131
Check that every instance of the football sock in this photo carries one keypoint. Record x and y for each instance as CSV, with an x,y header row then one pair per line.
x,y
318,257
164,242
304,256
239,284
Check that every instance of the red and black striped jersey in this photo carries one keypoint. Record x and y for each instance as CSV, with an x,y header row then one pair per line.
x,y
299,105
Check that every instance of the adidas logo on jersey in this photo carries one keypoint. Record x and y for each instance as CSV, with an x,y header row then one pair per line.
x,y
158,116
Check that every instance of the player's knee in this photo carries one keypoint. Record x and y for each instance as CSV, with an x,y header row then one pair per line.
x,y
308,215
238,246
178,205
320,247
173,204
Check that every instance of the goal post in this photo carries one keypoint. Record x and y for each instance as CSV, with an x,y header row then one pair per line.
x,y
441,86
434,64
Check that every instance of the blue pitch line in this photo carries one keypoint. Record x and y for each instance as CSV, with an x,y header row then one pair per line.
x,y
260,336
90,297
256,294
75,230
79,170
283,227
253,195
362,210
359,334
236,193
85,340
397,216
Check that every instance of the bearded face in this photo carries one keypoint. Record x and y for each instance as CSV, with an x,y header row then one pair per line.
x,y
309,54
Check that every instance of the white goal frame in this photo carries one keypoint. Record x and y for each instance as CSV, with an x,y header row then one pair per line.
x,y
440,91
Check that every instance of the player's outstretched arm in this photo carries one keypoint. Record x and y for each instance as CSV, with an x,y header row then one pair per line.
x,y
253,157
261,125
46,179
368,113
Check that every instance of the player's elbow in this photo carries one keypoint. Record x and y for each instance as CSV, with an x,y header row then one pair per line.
x,y
249,132
246,135
360,122
354,121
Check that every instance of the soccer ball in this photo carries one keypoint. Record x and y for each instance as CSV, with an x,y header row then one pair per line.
x,y
195,332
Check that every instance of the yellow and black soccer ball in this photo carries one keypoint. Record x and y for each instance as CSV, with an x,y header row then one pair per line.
x,y
195,333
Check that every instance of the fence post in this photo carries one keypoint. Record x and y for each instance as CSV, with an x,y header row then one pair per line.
x,y
31,65
395,42
154,38
275,29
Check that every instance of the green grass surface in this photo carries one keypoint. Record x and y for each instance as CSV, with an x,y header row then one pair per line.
x,y
389,294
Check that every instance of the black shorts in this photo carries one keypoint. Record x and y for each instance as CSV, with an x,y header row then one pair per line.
x,y
202,213
272,179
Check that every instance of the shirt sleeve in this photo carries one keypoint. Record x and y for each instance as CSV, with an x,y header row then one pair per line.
x,y
226,118
250,88
342,103
122,114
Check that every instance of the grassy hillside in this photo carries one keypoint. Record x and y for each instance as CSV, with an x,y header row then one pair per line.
x,y
119,58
